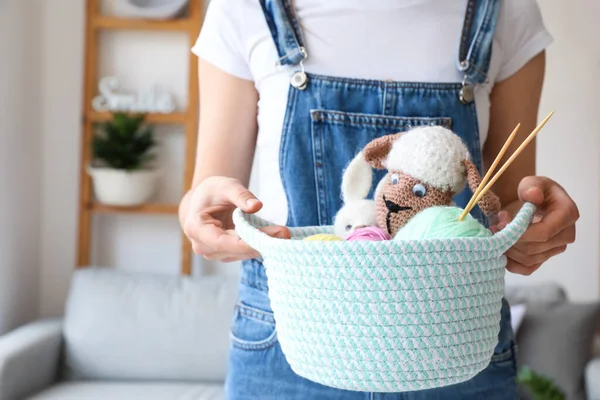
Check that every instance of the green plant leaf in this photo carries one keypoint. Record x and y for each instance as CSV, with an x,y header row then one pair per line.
x,y
540,387
124,142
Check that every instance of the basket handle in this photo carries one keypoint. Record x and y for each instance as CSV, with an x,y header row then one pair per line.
x,y
508,236
250,232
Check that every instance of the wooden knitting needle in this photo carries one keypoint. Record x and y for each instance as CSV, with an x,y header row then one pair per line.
x,y
489,173
531,136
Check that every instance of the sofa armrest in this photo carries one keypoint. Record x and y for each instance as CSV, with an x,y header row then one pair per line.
x,y
592,379
29,358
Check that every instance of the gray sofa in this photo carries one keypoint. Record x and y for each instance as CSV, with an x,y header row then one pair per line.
x,y
128,336
558,339
125,336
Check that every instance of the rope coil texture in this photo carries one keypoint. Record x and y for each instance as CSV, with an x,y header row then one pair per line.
x,y
385,316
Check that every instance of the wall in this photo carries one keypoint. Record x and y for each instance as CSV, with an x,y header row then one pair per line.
x,y
62,54
19,162
569,144
152,243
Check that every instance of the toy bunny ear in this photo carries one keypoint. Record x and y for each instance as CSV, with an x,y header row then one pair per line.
x,y
357,179
378,149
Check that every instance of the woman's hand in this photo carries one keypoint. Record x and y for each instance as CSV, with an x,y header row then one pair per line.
x,y
208,223
552,229
228,125
516,100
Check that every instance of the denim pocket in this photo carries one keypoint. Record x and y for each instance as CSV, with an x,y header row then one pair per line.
x,y
336,138
506,357
253,328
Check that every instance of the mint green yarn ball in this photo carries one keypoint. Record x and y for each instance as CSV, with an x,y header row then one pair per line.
x,y
441,223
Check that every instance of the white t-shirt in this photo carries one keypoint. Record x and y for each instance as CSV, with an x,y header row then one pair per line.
x,y
402,40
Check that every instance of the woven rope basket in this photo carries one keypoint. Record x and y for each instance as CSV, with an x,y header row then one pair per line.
x,y
385,316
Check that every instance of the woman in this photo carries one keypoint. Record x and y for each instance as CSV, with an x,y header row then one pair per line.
x,y
292,90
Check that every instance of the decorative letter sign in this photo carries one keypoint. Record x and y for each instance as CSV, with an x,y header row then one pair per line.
x,y
148,101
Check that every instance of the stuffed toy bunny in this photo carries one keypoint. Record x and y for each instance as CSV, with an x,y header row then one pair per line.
x,y
357,211
427,166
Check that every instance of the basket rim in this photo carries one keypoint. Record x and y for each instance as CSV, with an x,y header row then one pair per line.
x,y
247,226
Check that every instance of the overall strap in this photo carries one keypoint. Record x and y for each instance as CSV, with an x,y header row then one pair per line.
x,y
476,40
284,30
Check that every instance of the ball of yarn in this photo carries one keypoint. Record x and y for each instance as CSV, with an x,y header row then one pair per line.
x,y
373,233
323,237
440,223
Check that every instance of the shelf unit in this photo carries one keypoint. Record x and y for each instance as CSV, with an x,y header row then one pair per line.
x,y
95,24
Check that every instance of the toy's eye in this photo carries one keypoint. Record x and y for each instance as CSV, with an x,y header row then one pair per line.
x,y
419,190
348,227
395,179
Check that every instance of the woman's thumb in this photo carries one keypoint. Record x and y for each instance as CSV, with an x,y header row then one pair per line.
x,y
533,189
244,199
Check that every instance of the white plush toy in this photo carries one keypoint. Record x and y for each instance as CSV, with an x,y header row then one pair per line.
x,y
357,211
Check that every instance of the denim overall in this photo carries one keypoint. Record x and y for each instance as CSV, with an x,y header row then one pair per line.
x,y
328,120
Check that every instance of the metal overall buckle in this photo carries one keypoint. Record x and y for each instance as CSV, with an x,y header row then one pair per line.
x,y
467,92
299,79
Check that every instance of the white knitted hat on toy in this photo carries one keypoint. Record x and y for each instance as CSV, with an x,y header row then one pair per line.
x,y
431,154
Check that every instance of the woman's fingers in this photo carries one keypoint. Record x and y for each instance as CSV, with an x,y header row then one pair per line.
x,y
527,264
210,214
241,197
230,247
220,191
223,241
564,237
208,219
276,231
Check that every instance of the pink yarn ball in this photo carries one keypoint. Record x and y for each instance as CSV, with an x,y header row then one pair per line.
x,y
373,233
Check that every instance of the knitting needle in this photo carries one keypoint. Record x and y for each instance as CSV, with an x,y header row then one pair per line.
x,y
489,173
531,136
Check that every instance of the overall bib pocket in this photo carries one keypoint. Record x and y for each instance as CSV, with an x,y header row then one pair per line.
x,y
252,328
347,133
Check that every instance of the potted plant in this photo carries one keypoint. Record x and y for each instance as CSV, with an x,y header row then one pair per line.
x,y
120,169
538,386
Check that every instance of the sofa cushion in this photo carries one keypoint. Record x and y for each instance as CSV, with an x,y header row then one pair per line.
x,y
132,326
556,341
544,293
517,313
130,391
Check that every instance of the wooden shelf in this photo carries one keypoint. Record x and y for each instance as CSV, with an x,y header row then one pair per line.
x,y
189,26
172,118
144,209
181,24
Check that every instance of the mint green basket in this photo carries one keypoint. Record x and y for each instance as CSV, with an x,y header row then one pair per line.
x,y
385,316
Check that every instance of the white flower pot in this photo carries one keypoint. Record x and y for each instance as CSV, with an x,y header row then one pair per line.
x,y
117,187
151,9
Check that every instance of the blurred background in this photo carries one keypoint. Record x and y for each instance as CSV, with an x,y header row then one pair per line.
x,y
41,112
42,77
